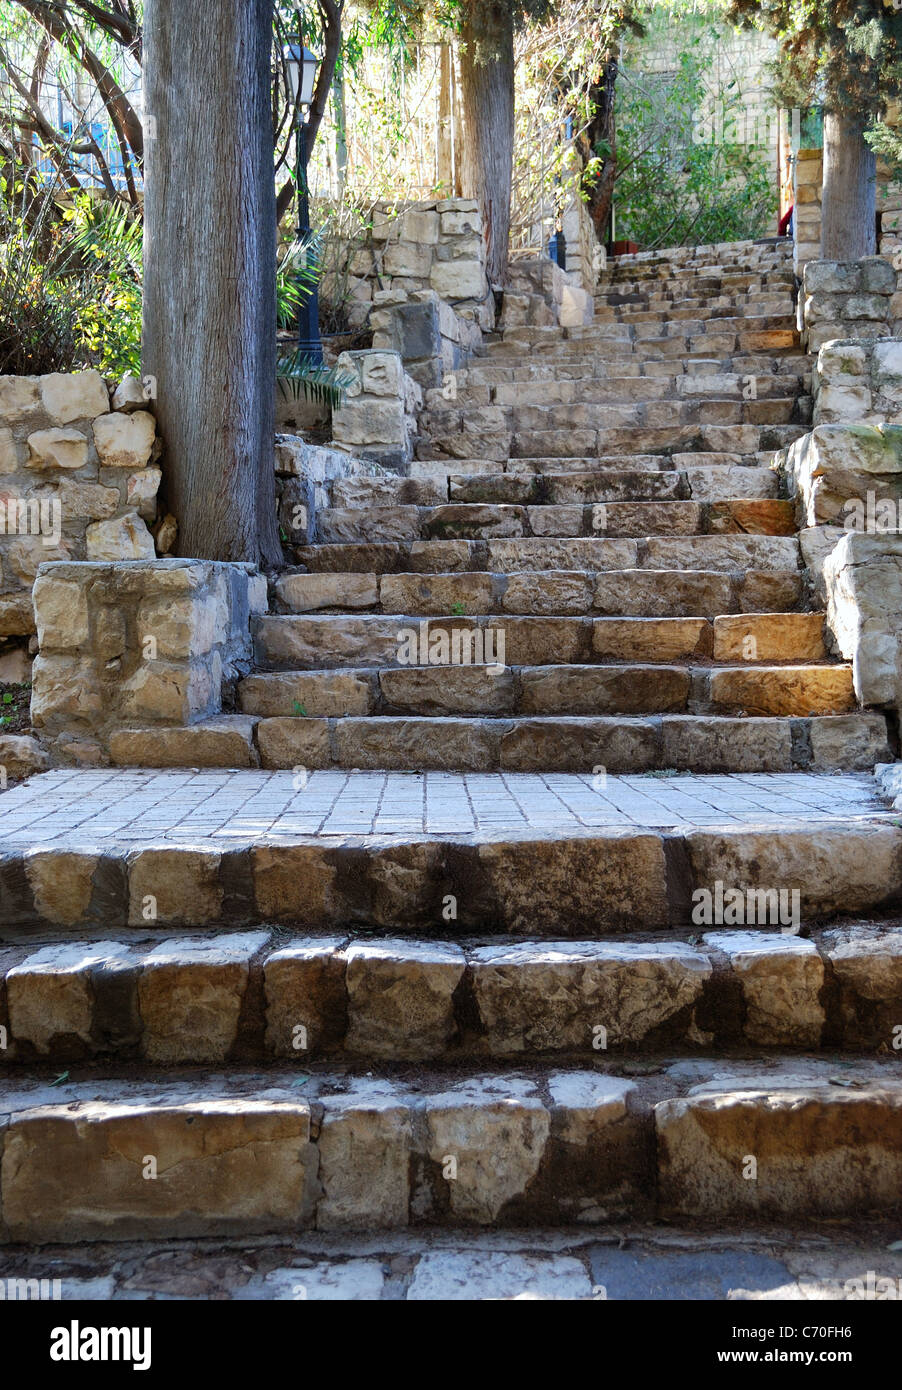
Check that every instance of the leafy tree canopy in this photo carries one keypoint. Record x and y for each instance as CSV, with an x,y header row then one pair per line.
x,y
843,54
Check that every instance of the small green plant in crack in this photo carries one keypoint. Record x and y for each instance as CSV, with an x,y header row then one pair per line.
x,y
458,610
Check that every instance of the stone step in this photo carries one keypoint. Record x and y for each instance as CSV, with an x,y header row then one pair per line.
x,y
346,1151
619,744
614,390
492,687
719,484
482,372
711,409
363,576
559,595
570,855
373,518
211,998
589,442
776,329
772,290
670,322
748,471
724,554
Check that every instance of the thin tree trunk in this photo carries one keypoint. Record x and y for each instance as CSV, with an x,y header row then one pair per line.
x,y
602,129
210,271
487,98
445,116
849,214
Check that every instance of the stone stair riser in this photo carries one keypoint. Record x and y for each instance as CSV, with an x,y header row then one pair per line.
x,y
554,690
495,1150
602,881
243,997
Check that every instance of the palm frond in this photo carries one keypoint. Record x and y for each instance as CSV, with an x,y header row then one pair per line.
x,y
299,376
298,274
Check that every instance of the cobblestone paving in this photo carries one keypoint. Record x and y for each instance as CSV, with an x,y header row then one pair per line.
x,y
629,1263
119,806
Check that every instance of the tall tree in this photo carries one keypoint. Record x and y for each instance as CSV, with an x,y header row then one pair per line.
x,y
487,99
210,270
847,56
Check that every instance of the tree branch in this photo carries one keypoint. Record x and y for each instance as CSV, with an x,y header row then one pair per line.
x,y
74,42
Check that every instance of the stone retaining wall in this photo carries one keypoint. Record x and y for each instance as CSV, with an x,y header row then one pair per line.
x,y
849,299
142,643
413,247
857,380
78,479
847,482
808,179
378,420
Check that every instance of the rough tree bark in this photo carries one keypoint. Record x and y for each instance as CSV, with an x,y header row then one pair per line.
x,y
849,212
487,101
210,271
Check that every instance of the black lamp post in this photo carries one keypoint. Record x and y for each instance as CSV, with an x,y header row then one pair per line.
x,y
301,66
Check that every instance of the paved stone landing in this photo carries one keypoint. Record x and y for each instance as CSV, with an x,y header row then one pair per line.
x,y
119,807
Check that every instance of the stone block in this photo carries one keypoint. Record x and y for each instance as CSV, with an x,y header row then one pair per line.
x,y
57,448
125,441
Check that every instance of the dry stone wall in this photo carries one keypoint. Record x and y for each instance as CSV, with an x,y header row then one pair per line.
x,y
856,380
78,480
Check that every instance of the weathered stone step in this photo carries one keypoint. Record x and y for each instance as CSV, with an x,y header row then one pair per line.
x,y
723,554
720,484
697,465
701,527
352,572
557,594
772,291
589,442
489,686
246,996
620,390
482,372
499,1148
710,409
621,744
371,518
774,330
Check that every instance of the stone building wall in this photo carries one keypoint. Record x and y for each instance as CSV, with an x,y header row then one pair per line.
x,y
78,480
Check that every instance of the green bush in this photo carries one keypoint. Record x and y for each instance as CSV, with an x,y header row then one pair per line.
x,y
680,184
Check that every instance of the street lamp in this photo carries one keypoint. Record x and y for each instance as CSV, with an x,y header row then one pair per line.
x,y
301,67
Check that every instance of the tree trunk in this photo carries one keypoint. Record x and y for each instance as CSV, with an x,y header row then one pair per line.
x,y
601,132
487,99
210,271
849,211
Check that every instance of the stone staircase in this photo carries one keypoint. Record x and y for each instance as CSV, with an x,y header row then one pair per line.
x,y
254,1001
592,537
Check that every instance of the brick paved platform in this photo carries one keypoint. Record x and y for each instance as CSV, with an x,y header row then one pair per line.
x,y
118,807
